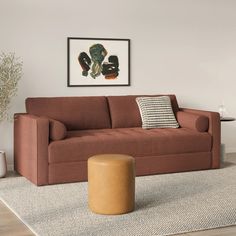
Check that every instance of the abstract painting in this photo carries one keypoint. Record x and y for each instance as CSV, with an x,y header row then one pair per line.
x,y
98,62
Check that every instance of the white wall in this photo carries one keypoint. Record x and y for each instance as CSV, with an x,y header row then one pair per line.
x,y
185,47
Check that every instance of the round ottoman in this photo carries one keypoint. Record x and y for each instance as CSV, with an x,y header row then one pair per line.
x,y
111,184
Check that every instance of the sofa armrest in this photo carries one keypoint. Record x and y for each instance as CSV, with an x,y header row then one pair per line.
x,y
31,139
214,129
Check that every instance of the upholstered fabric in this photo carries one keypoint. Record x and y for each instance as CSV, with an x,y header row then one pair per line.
x,y
137,142
74,112
193,121
156,112
125,113
155,151
111,184
57,130
214,130
31,138
64,172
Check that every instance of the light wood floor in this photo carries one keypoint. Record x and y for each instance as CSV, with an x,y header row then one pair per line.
x,y
10,225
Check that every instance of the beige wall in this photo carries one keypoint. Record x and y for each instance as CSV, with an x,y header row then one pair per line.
x,y
185,47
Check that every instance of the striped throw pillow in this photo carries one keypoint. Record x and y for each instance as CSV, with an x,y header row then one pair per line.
x,y
156,112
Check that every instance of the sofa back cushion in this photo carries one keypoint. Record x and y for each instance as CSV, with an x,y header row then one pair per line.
x,y
125,113
74,112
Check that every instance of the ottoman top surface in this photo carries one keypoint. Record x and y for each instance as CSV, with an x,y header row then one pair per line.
x,y
111,158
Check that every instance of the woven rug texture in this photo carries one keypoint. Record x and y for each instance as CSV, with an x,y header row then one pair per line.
x,y
165,205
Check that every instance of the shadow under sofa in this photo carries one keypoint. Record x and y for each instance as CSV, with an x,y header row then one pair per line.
x,y
57,135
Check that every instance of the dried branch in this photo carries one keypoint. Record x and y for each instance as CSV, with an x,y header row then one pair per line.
x,y
10,73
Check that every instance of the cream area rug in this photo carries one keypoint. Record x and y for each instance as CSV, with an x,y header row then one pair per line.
x,y
165,204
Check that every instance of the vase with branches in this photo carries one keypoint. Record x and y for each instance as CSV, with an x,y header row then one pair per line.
x,y
10,74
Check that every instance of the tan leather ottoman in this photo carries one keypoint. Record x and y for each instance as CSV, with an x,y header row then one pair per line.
x,y
111,184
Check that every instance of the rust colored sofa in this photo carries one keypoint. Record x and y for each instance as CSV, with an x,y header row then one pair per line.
x,y
54,139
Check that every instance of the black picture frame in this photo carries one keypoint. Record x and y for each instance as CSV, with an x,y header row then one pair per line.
x,y
98,62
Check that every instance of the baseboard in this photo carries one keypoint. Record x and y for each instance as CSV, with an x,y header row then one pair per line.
x,y
230,150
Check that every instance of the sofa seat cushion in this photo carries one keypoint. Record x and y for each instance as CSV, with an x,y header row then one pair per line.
x,y
138,142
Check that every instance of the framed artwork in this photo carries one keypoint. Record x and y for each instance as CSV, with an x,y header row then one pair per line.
x,y
98,62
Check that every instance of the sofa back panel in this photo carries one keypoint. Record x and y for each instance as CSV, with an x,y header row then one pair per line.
x,y
74,112
125,113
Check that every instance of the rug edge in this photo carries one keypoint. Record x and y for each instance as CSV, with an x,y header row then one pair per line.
x,y
201,229
16,214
